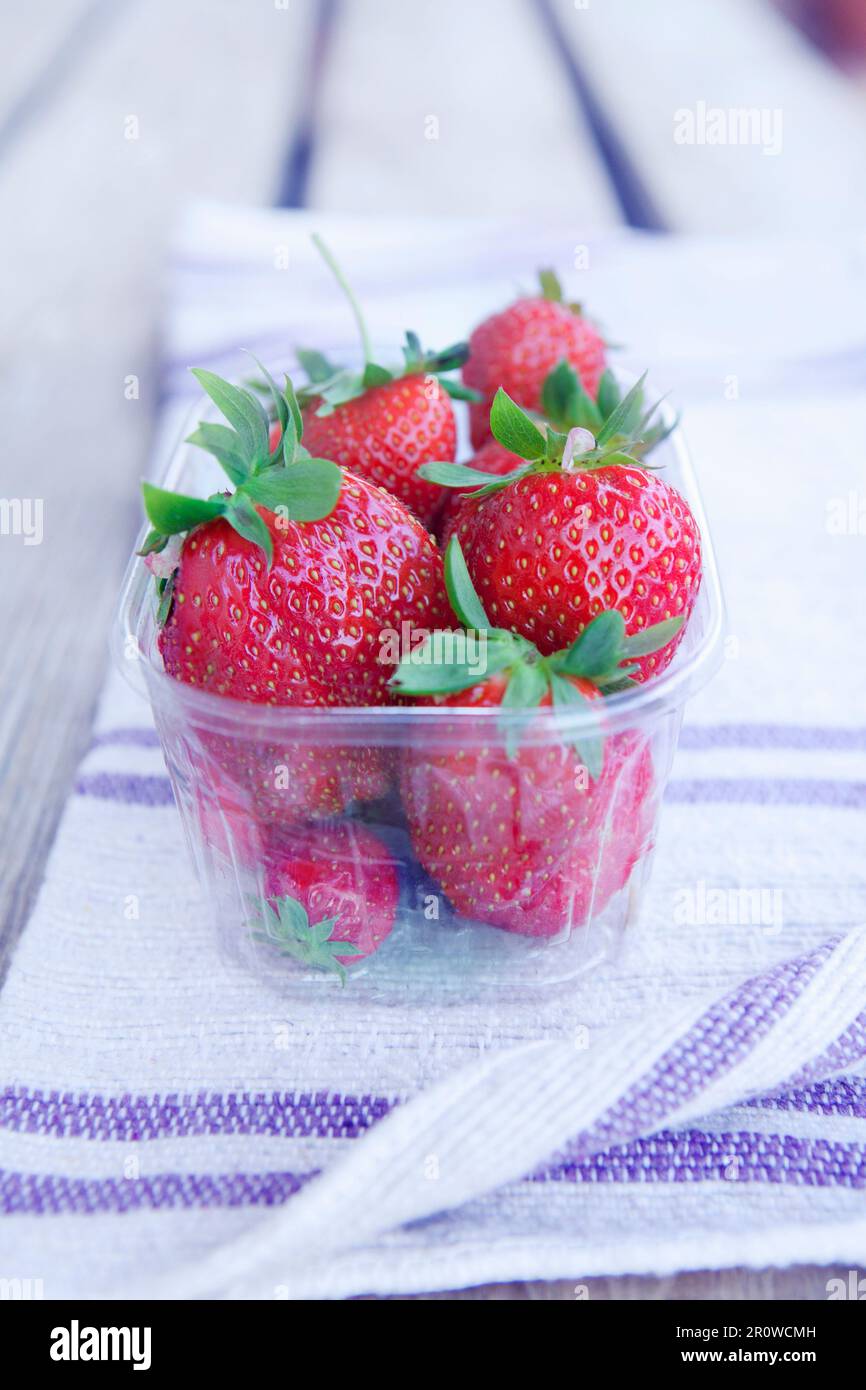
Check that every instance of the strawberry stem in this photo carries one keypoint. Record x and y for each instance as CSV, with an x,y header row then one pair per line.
x,y
328,257
550,287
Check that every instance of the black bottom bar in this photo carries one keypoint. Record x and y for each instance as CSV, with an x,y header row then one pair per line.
x,y
618,1336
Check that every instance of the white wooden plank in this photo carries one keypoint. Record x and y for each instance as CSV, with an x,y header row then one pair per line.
x,y
86,215
439,107
31,36
649,62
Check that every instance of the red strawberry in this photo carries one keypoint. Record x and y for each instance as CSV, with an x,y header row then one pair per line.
x,y
580,529
566,406
385,433
332,895
382,423
526,824
521,842
288,606
490,458
520,346
306,630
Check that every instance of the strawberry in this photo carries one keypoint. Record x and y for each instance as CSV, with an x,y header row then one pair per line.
x,y
517,348
579,528
332,893
527,824
566,406
524,882
386,432
382,423
492,458
304,630
280,596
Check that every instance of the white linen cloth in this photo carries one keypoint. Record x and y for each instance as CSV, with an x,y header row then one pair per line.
x,y
701,1101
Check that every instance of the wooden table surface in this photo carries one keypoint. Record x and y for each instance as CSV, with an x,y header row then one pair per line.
x,y
114,112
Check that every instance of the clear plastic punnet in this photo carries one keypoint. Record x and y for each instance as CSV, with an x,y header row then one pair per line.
x,y
430,922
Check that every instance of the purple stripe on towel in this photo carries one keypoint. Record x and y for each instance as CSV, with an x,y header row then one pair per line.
x,y
841,1095
797,737
694,737
698,738
291,1115
847,1050
129,788
692,1156
51,1195
131,738
137,789
719,1041
685,1156
767,791
128,1118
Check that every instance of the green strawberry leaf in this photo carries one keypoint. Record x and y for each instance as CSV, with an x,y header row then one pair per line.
x,y
591,753
293,917
565,402
242,515
345,386
616,684
527,686
554,445
244,411
280,402
322,930
315,364
651,435
589,747
165,589
447,359
559,392
514,429
619,458
153,543
465,602
287,446
458,392
652,638
287,928
294,426
416,678
288,478
172,512
226,447
460,475
413,353
609,394
625,417
374,375
599,648
566,694
619,682
454,475
307,489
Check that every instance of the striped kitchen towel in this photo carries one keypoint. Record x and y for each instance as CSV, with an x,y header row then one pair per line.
x,y
701,1101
